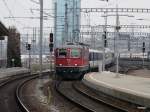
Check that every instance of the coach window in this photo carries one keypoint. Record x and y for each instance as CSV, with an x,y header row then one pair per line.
x,y
62,53
75,53
90,57
100,56
56,53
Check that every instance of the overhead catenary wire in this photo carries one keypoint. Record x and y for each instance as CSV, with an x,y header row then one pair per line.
x,y
45,17
11,14
48,14
35,2
6,5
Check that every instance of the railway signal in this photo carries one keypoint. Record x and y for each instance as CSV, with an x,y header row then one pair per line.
x,y
143,49
51,44
118,27
28,46
105,38
51,38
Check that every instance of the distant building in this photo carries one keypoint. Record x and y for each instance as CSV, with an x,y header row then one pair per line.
x,y
13,48
3,30
67,21
3,45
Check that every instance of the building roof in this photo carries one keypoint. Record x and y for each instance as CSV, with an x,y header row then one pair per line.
x,y
3,30
74,45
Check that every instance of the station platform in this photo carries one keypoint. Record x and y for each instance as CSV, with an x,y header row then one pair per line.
x,y
8,72
129,88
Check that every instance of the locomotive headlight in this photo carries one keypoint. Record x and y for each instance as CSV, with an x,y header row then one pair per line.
x,y
60,64
76,64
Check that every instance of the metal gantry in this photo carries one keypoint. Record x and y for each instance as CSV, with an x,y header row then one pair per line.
x,y
113,26
127,10
146,34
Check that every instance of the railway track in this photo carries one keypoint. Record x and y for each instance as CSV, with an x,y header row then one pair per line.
x,y
20,102
25,98
89,100
9,97
7,79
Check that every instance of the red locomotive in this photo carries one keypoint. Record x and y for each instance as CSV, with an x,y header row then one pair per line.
x,y
72,60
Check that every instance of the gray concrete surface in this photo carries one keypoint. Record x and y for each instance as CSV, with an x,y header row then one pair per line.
x,y
7,72
125,87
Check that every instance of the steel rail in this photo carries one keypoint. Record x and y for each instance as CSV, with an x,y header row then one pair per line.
x,y
19,100
65,96
78,103
11,80
119,104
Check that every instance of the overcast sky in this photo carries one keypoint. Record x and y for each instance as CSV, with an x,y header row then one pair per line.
x,y
22,8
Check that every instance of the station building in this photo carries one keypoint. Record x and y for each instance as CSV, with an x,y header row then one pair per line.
x,y
67,21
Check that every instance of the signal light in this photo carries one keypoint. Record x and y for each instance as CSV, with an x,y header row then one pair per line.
x,y
143,44
143,49
51,45
105,44
105,38
118,27
51,38
28,46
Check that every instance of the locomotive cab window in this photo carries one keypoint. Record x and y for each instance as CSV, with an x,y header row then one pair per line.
x,y
75,53
62,53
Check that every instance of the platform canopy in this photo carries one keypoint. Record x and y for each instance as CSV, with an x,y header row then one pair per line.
x,y
3,30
